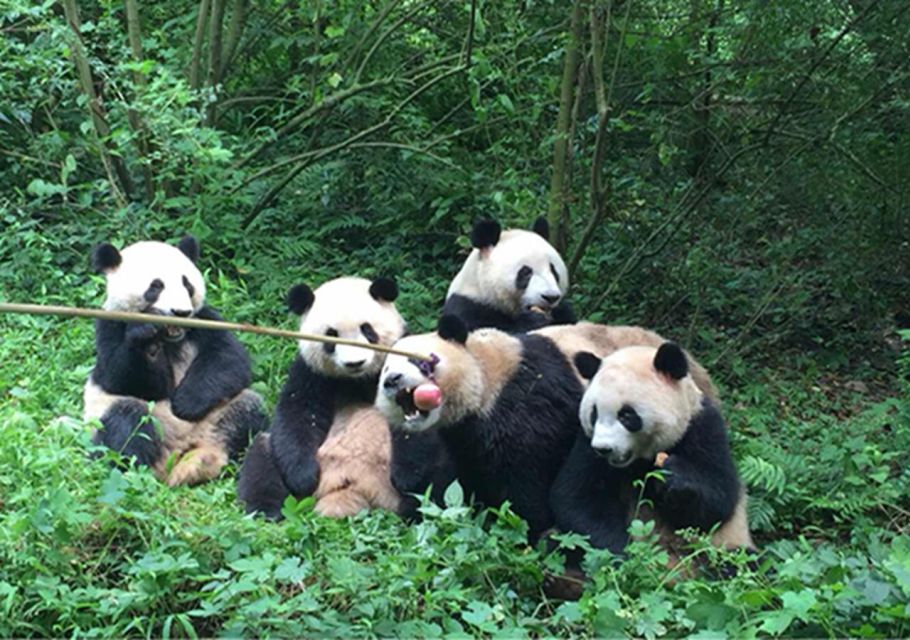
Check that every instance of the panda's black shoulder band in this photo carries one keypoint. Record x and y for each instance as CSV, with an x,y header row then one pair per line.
x,y
452,328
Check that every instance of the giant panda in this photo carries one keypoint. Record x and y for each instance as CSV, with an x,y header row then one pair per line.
x,y
641,412
327,439
202,412
512,280
507,416
508,413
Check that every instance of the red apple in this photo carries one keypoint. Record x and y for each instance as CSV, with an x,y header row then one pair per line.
x,y
427,397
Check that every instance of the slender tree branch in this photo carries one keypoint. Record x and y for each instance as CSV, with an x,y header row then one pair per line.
x,y
469,40
327,104
557,205
385,34
599,193
112,164
215,37
815,65
235,33
134,34
308,158
198,41
377,22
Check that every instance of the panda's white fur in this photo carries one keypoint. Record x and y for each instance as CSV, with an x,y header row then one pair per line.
x,y
147,260
343,305
185,451
471,375
327,439
489,273
667,408
604,339
628,376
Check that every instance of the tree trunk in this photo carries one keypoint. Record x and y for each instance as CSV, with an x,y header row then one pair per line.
x,y
558,214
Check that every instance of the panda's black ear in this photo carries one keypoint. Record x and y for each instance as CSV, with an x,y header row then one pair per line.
x,y
671,360
451,327
190,247
105,257
485,234
587,364
300,299
384,289
542,228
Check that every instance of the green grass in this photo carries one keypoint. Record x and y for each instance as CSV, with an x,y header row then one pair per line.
x,y
89,550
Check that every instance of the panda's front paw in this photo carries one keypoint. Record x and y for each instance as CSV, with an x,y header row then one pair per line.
x,y
139,334
187,408
304,479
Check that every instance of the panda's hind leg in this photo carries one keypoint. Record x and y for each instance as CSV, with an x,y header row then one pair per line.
x,y
128,428
240,421
260,487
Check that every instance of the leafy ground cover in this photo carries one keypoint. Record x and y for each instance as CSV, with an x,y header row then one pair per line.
x,y
88,549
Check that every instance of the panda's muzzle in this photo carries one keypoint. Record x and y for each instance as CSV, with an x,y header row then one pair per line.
x,y
404,398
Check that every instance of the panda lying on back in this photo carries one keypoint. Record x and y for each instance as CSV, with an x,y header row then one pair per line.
x,y
327,439
642,412
513,280
197,378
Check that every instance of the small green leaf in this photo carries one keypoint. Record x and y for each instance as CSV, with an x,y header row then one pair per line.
x,y
454,495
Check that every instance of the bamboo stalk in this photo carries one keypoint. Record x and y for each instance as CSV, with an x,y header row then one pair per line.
x,y
196,323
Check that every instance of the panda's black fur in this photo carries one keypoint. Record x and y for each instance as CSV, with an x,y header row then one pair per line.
x,y
700,489
514,451
138,360
136,364
303,416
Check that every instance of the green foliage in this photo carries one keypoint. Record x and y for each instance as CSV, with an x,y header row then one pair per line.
x,y
758,179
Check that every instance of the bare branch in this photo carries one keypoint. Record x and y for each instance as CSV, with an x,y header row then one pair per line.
x,y
327,104
308,158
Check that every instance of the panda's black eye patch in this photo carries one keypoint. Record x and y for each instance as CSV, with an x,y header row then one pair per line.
x,y
190,289
523,277
629,418
554,271
155,288
369,333
330,348
593,415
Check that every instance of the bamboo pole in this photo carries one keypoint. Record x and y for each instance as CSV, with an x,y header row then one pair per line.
x,y
196,323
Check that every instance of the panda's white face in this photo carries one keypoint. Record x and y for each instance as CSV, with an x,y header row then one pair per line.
x,y
345,308
469,376
631,411
154,277
521,272
455,373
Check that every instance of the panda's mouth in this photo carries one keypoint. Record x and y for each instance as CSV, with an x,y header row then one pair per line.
x,y
405,399
174,334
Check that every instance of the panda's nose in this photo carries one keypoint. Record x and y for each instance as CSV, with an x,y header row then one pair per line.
x,y
354,365
181,313
392,381
552,299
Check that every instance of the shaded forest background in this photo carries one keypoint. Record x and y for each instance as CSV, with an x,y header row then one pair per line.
x,y
733,174
744,163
